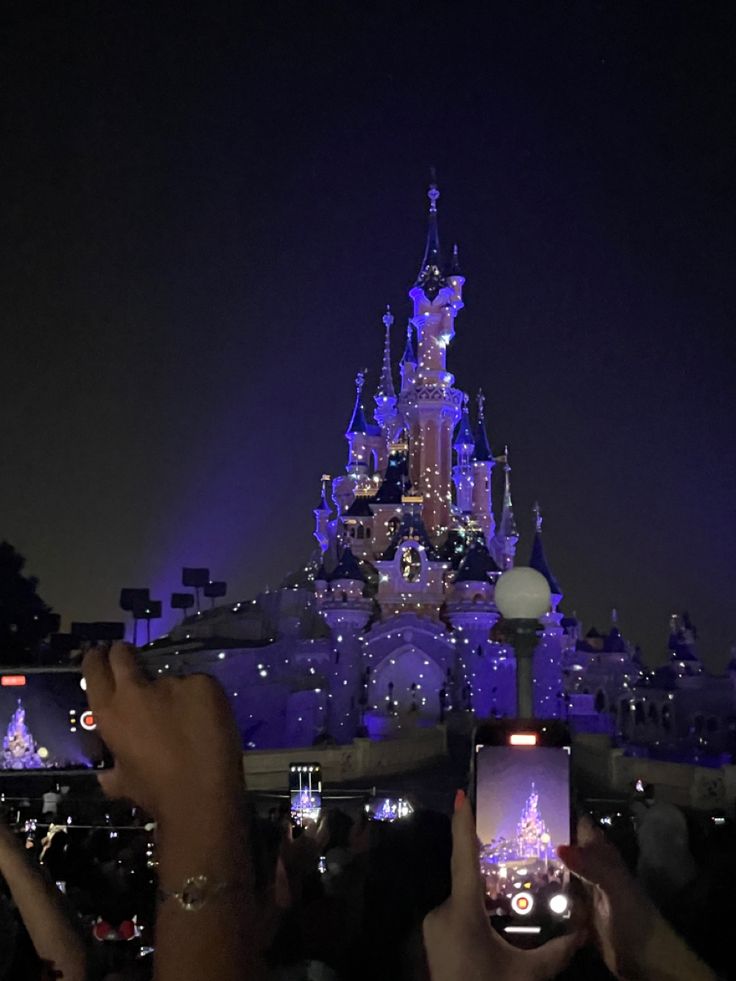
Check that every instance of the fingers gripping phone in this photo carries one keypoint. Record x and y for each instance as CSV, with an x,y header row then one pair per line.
x,y
522,807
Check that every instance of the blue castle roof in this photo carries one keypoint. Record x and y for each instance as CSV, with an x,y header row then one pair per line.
x,y
431,276
409,354
411,528
348,568
482,451
476,565
464,433
394,482
538,561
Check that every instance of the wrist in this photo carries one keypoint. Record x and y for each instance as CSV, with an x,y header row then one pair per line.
x,y
208,838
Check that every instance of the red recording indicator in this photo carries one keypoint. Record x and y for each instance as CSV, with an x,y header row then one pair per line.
x,y
87,721
12,680
523,739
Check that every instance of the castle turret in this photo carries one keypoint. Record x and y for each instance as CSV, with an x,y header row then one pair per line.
x,y
322,517
359,435
482,464
346,611
430,405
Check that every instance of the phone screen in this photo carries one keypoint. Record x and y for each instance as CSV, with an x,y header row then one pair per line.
x,y
388,808
46,724
305,791
522,814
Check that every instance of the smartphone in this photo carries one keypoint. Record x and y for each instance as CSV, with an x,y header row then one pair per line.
x,y
388,808
305,791
46,725
523,811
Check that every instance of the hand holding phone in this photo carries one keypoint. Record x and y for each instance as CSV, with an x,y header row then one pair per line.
x,y
458,936
522,798
305,792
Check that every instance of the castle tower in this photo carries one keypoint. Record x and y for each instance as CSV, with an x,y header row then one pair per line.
x,y
462,473
483,464
430,405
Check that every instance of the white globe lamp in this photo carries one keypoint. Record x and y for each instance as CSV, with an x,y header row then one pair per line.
x,y
523,595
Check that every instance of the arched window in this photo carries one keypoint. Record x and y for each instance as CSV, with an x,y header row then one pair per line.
x,y
666,718
411,565
653,715
600,701
639,717
393,526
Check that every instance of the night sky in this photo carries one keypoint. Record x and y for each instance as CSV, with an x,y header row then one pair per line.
x,y
206,211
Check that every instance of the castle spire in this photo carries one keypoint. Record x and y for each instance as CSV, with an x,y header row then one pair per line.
x,y
538,560
464,439
409,355
385,387
358,423
431,275
482,447
507,527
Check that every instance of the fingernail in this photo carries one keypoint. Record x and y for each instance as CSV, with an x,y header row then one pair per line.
x,y
459,799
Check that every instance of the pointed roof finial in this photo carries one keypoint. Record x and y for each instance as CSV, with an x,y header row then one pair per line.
x,y
385,387
409,356
537,512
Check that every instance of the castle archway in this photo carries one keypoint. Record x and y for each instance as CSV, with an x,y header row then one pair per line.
x,y
411,679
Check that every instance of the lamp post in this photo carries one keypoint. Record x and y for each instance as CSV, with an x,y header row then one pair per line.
x,y
522,595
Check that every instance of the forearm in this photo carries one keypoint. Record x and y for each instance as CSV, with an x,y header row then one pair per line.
x,y
220,939
53,936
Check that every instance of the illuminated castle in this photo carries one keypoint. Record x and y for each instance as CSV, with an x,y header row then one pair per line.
x,y
392,624
19,746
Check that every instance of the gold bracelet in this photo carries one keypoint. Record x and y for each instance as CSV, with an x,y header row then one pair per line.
x,y
195,893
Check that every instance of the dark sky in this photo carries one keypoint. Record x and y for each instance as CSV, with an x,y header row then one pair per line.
x,y
206,210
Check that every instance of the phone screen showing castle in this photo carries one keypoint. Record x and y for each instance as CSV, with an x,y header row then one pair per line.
x,y
46,724
522,814
305,792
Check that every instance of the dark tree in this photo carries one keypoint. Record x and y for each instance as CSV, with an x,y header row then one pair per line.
x,y
25,620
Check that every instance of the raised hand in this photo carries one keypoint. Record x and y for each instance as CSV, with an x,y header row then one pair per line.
x,y
174,740
635,940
